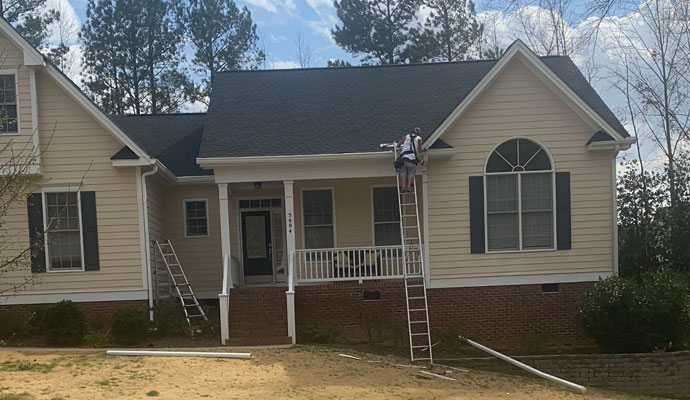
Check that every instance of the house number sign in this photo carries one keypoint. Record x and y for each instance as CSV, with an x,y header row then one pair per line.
x,y
289,223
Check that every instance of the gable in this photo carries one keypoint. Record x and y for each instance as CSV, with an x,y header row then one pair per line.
x,y
562,77
27,59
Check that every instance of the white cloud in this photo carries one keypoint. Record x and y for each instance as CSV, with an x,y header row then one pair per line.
x,y
267,5
285,65
277,38
323,26
317,5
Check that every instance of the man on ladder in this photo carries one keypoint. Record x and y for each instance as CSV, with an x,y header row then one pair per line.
x,y
410,145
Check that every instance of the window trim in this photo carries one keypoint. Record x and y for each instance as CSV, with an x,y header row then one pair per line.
x,y
15,72
373,210
304,225
551,171
184,218
62,189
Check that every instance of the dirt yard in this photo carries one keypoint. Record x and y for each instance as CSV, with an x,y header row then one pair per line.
x,y
299,372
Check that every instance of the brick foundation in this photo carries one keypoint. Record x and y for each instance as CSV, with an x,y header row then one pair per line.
x,y
504,317
95,310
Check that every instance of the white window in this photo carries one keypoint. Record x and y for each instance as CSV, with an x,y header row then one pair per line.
x,y
63,232
386,216
8,104
520,197
318,219
195,218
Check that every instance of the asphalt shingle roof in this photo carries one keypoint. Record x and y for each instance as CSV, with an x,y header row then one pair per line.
x,y
172,138
323,111
348,110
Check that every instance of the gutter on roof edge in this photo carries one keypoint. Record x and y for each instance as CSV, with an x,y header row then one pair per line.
x,y
219,161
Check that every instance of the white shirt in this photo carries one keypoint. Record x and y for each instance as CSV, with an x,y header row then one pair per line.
x,y
407,146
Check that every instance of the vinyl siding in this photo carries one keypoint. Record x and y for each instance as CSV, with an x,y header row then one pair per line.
x,y
76,152
155,193
200,256
519,104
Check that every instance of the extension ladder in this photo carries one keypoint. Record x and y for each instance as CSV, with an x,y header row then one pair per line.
x,y
413,272
190,304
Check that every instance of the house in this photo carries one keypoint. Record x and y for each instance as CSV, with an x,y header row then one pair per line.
x,y
269,196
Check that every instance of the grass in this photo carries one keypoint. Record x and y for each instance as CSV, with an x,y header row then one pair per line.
x,y
27,366
10,396
152,393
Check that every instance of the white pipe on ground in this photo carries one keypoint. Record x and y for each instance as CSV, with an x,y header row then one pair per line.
x,y
176,353
526,367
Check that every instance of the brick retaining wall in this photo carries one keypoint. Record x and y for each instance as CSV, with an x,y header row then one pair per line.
x,y
504,317
657,374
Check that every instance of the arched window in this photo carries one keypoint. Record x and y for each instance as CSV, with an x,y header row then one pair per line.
x,y
519,182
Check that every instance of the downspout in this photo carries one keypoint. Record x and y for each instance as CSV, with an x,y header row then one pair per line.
x,y
144,196
35,137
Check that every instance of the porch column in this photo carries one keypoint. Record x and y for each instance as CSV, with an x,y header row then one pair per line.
x,y
290,231
224,219
224,296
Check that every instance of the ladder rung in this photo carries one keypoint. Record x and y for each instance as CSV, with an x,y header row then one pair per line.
x,y
415,285
417,309
418,322
168,254
177,275
191,305
182,284
416,298
419,347
420,334
195,316
423,358
408,204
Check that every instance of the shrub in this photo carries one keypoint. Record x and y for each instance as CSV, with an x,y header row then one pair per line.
x,y
168,318
94,339
62,323
651,313
317,333
130,325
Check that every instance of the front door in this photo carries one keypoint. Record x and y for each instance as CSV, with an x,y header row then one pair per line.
x,y
257,250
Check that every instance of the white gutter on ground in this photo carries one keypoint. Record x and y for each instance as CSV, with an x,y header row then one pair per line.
x,y
176,353
526,367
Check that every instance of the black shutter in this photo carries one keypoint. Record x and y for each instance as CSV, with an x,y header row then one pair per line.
x,y
89,230
34,206
563,239
477,244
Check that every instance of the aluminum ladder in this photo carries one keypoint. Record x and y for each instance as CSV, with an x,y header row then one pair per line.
x,y
413,272
192,309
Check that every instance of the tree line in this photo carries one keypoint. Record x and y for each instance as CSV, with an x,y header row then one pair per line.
x,y
134,59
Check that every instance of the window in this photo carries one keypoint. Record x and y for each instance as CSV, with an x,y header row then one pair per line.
x,y
63,233
519,197
196,218
386,216
318,219
8,104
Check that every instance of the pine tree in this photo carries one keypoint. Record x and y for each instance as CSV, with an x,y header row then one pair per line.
x,y
224,38
451,33
132,57
338,63
29,18
376,30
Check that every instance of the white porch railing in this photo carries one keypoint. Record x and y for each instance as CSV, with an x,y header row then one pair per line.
x,y
350,263
224,299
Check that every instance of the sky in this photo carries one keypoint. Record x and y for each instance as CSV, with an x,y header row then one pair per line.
x,y
279,22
